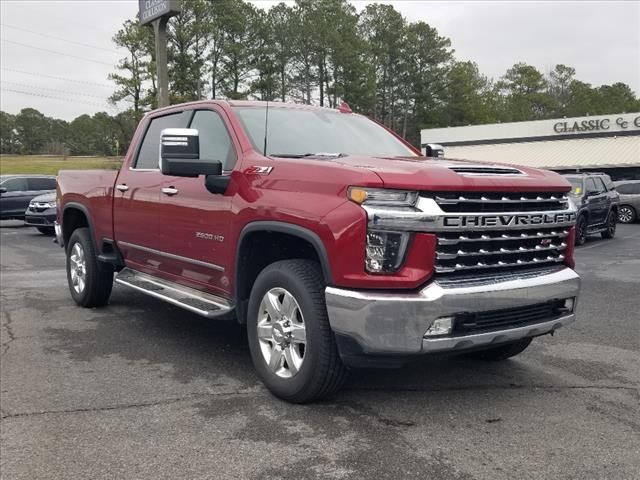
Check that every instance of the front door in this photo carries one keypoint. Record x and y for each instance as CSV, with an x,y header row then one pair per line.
x,y
194,223
15,199
136,206
597,201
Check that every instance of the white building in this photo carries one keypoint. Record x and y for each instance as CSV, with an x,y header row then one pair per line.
x,y
608,143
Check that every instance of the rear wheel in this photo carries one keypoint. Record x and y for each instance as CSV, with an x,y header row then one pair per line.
x,y
611,225
292,346
581,230
502,352
626,214
90,282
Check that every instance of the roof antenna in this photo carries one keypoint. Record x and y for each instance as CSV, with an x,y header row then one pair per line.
x,y
266,125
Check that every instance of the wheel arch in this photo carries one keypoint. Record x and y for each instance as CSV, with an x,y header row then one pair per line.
x,y
283,241
74,216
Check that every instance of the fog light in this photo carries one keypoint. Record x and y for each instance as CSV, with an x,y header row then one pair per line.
x,y
569,304
440,326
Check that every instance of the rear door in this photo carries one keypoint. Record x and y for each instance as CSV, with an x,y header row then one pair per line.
x,y
15,200
195,223
597,197
136,207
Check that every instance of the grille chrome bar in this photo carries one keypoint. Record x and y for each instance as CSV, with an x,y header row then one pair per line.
x,y
502,237
502,200
502,251
482,265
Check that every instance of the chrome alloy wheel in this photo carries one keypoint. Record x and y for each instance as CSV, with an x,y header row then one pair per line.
x,y
625,215
78,268
281,332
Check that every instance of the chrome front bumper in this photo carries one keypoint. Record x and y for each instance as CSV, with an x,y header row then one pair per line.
x,y
390,323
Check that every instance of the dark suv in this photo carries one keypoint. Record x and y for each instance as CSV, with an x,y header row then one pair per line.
x,y
16,191
597,203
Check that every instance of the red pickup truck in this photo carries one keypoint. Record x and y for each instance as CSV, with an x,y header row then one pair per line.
x,y
336,242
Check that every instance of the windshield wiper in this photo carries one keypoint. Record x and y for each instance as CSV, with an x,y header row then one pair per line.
x,y
304,155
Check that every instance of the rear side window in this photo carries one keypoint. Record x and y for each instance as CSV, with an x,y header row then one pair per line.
x,y
15,184
215,143
149,153
41,183
629,188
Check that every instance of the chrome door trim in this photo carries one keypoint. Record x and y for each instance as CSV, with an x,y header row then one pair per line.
x,y
172,256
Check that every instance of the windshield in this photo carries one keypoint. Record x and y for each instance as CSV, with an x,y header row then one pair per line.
x,y
298,132
576,185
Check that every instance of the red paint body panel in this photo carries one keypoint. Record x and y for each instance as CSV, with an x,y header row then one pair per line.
x,y
309,193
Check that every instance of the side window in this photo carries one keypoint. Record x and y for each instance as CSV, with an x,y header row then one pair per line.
x,y
149,153
591,186
635,188
215,143
41,183
625,188
600,185
15,184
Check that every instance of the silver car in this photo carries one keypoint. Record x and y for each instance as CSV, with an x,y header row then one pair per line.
x,y
629,191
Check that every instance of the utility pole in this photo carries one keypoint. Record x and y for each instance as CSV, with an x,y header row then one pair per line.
x,y
158,12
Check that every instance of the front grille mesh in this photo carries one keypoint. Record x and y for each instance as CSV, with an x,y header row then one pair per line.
x,y
474,250
466,323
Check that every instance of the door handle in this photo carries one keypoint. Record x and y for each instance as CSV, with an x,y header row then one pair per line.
x,y
122,187
170,191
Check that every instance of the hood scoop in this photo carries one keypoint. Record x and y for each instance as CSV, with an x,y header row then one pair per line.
x,y
480,170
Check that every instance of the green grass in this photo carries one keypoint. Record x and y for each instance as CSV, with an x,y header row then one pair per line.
x,y
51,165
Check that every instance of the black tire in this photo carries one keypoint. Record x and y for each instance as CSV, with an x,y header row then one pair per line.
x,y
581,230
612,219
627,214
322,372
502,352
46,230
98,278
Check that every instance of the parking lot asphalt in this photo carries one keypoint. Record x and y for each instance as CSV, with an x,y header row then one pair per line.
x,y
141,389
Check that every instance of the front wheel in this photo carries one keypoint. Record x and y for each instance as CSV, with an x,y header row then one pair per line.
x,y
611,226
581,230
90,283
502,352
292,346
626,214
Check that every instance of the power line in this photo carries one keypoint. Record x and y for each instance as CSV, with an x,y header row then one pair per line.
x,y
104,85
32,94
60,38
58,53
66,92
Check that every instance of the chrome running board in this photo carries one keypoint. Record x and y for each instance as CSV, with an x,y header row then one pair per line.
x,y
195,301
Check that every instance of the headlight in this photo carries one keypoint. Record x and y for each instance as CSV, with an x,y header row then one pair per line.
x,y
385,251
382,197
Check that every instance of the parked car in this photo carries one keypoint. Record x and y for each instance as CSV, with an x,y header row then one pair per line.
x,y
597,200
42,213
364,253
629,191
16,191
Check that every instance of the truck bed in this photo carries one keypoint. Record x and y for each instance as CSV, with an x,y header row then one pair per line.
x,y
93,191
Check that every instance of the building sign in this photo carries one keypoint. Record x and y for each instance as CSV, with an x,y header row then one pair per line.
x,y
151,10
614,123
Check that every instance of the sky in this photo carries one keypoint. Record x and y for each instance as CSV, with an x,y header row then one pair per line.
x,y
56,56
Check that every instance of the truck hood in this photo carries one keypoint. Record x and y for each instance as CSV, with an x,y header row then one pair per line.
x,y
423,173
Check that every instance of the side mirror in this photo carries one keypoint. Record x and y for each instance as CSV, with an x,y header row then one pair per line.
x,y
3,190
180,154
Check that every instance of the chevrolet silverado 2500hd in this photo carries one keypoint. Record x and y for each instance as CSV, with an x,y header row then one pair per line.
x,y
334,240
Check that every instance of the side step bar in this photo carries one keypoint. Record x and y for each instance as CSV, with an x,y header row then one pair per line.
x,y
195,301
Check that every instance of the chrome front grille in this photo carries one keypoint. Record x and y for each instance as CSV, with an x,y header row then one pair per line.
x,y
483,202
499,249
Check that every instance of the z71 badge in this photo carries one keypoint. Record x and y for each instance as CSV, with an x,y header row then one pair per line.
x,y
259,170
